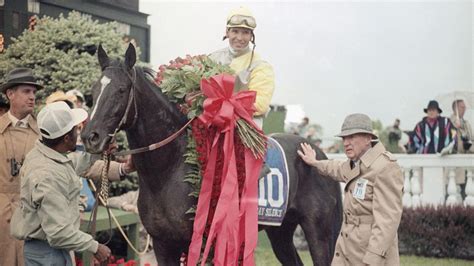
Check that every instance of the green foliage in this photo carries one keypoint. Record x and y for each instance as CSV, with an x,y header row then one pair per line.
x,y
61,51
444,232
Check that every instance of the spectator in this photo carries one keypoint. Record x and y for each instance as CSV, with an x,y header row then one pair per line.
x,y
372,199
303,127
463,127
61,96
4,105
317,142
49,218
18,133
79,100
464,140
335,148
434,133
394,137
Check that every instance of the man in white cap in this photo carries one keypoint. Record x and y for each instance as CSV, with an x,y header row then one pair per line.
x,y
252,73
48,217
372,195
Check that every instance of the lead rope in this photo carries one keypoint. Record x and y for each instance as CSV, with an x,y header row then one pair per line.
x,y
104,181
119,227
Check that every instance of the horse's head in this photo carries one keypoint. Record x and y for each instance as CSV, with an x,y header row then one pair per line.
x,y
113,100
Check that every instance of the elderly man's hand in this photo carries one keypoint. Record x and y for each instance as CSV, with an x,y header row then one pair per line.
x,y
307,154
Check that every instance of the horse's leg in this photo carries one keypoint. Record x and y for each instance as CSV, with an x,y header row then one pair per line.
x,y
318,235
281,239
166,255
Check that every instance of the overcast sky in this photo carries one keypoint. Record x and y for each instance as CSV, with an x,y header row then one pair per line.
x,y
383,58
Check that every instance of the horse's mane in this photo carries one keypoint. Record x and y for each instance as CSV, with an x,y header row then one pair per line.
x,y
147,75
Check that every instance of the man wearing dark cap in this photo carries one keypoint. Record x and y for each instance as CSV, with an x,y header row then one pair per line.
x,y
372,195
18,133
434,133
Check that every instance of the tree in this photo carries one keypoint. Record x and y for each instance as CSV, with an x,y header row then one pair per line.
x,y
61,51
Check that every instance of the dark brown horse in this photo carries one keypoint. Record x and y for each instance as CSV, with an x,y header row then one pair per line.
x,y
126,98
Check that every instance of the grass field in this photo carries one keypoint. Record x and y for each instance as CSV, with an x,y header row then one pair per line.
x,y
264,256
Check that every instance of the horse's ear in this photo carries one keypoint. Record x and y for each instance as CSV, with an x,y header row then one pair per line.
x,y
103,57
130,56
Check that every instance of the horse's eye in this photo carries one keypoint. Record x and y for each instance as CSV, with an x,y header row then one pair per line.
x,y
122,89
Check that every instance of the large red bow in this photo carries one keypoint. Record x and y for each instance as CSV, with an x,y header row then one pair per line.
x,y
235,221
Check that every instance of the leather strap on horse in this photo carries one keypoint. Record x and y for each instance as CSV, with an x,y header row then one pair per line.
x,y
157,145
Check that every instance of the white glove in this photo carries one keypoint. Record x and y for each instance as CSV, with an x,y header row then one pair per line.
x,y
447,150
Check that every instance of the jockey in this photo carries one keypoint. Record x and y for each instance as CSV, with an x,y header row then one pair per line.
x,y
252,73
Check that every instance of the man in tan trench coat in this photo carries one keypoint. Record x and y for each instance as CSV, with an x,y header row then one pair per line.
x,y
372,195
18,133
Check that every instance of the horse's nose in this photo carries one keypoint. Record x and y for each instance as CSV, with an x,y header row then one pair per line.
x,y
93,138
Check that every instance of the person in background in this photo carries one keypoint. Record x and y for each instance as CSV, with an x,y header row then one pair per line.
x,y
79,98
464,140
317,142
434,133
372,198
394,137
48,219
18,133
252,72
463,127
61,96
302,127
4,105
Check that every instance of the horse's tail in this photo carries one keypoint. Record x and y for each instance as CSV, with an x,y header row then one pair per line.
x,y
336,226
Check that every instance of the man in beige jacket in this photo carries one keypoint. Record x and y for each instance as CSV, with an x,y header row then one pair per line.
x,y
372,198
18,133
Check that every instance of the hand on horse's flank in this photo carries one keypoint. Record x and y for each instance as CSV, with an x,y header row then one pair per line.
x,y
307,154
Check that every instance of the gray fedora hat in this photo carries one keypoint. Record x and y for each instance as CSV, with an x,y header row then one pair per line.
x,y
356,123
18,76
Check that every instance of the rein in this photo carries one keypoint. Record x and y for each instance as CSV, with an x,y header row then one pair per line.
x,y
156,145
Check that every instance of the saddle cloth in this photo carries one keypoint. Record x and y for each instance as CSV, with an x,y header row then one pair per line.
x,y
273,188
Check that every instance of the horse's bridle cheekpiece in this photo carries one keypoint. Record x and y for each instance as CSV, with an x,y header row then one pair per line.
x,y
123,121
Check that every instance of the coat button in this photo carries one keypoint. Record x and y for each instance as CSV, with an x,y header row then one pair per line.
x,y
346,235
342,234
8,221
337,254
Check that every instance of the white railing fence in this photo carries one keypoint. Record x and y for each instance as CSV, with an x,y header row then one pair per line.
x,y
431,179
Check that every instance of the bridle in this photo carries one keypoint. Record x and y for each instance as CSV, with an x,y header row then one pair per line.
x,y
132,101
